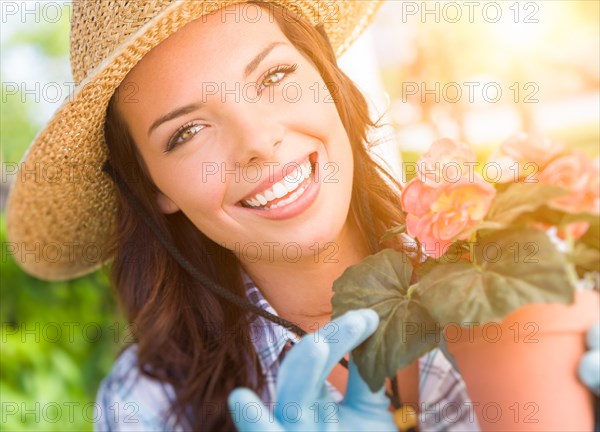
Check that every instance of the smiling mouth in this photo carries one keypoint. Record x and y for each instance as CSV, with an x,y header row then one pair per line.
x,y
284,192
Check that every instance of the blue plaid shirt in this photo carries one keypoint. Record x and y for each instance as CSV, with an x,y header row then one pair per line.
x,y
130,401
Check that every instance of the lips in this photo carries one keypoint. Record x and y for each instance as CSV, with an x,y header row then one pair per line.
x,y
285,191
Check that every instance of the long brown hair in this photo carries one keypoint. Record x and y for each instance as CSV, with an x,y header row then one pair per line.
x,y
182,329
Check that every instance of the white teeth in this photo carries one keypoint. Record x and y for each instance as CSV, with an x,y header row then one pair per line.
x,y
269,195
306,169
287,201
279,190
288,184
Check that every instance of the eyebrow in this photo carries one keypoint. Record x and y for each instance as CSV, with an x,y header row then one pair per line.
x,y
173,115
251,67
259,58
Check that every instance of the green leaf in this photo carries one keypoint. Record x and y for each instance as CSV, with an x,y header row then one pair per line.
x,y
552,216
586,259
592,237
454,253
485,225
521,198
406,330
517,267
393,232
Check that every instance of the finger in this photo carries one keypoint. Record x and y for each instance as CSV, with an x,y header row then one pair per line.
x,y
589,370
359,395
249,414
345,333
593,336
308,364
298,380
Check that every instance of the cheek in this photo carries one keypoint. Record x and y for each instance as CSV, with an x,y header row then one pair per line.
x,y
193,187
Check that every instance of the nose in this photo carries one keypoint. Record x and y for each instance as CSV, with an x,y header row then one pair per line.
x,y
255,131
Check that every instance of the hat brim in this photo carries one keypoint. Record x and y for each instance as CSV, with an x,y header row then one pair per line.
x,y
62,208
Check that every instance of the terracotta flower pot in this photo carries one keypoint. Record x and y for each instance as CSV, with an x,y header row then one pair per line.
x,y
521,373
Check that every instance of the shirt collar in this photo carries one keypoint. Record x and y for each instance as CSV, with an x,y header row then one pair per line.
x,y
269,339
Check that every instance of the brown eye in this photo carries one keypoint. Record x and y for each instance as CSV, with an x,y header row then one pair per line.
x,y
274,78
189,133
184,134
276,75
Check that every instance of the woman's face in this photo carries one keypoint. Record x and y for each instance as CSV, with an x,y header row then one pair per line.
x,y
238,132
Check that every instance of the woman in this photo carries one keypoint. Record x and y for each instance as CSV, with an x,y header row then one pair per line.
x,y
242,186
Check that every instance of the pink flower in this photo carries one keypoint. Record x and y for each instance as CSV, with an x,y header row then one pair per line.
x,y
581,177
574,230
531,148
446,161
437,216
524,155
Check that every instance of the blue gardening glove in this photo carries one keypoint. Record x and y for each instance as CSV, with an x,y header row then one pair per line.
x,y
589,366
303,402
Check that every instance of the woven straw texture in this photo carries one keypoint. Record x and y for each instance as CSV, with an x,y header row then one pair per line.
x,y
62,207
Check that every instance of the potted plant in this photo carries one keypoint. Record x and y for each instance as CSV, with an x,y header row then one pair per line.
x,y
498,251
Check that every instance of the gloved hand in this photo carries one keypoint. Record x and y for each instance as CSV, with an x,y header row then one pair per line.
x,y
589,366
302,399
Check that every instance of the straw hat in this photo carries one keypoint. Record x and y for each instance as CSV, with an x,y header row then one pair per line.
x,y
62,207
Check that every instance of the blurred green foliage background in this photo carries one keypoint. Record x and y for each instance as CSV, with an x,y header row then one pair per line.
x,y
58,340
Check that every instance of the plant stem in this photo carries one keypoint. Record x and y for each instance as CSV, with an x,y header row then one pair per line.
x,y
472,257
